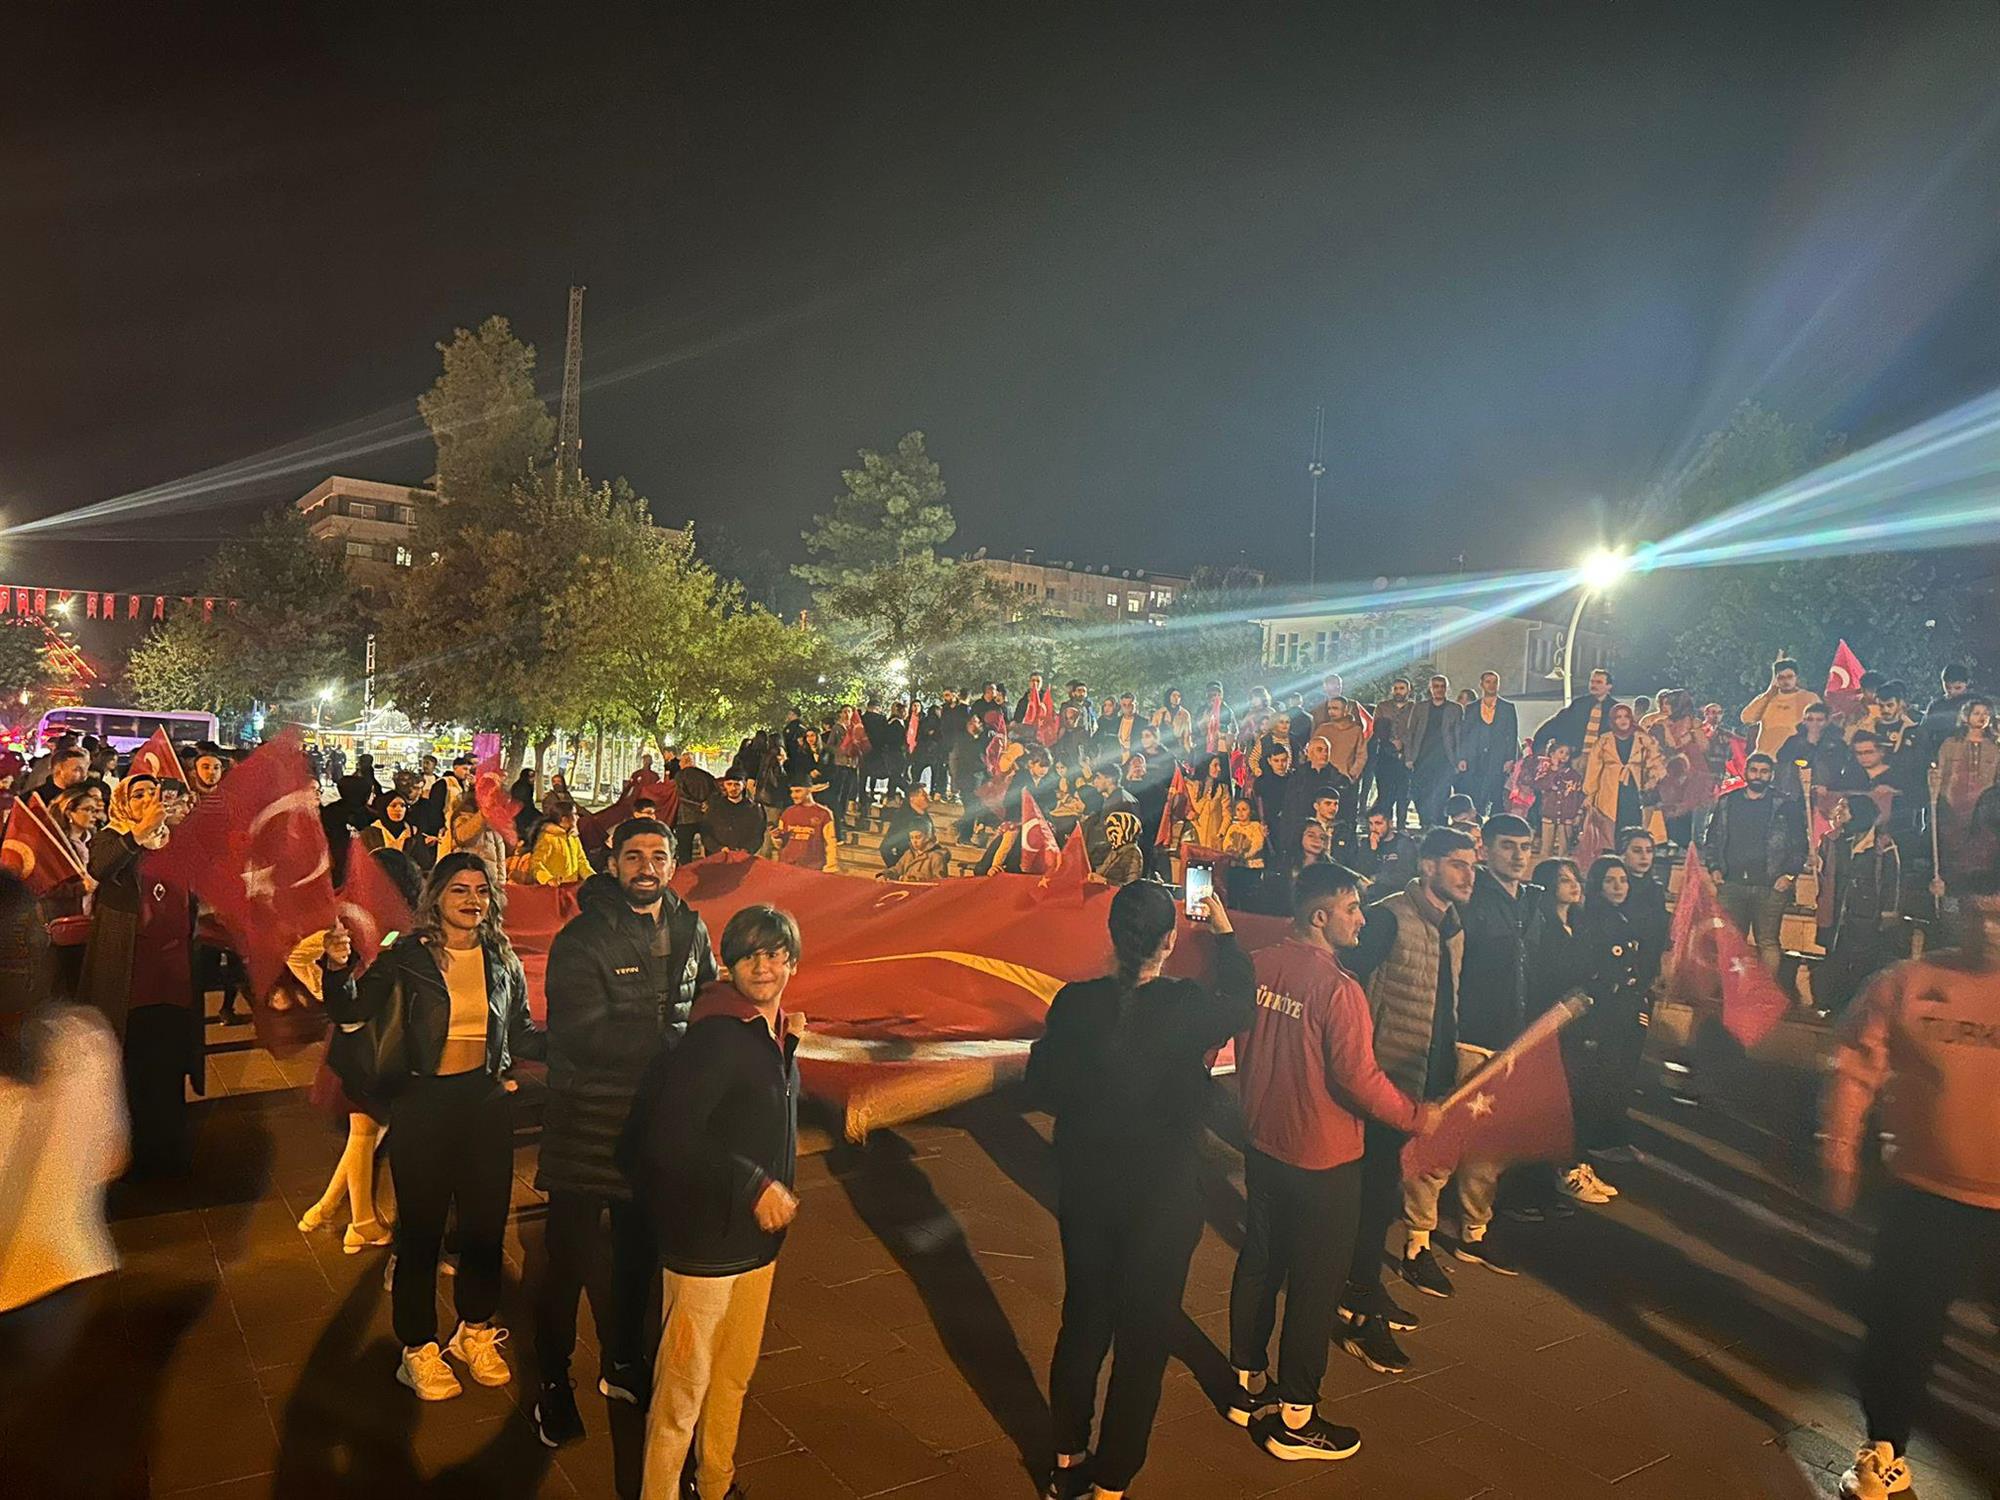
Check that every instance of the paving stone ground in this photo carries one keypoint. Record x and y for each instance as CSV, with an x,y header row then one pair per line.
x,y
1690,1340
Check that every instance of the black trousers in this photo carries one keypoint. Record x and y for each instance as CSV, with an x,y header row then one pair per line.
x,y
159,1042
1298,1235
1381,1206
1604,1066
684,843
572,1235
1430,787
451,1144
1125,1264
1929,1251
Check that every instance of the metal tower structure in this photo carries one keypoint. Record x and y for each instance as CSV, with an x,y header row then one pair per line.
x,y
569,428
1317,468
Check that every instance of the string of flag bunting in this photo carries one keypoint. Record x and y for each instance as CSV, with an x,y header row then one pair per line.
x,y
37,601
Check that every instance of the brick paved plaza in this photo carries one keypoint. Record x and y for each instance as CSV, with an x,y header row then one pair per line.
x,y
1689,1340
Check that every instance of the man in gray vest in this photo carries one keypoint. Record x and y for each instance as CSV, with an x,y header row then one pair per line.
x,y
1408,961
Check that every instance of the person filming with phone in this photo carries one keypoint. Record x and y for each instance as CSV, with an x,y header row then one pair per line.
x,y
1123,1066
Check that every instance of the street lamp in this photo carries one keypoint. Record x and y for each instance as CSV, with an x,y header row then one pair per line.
x,y
1599,573
319,709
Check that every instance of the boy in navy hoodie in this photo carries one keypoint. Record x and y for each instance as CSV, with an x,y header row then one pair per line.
x,y
716,1150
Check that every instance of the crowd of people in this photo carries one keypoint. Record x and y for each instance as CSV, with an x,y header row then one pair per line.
x,y
1415,954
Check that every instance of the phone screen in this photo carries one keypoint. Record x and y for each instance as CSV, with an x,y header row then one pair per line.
x,y
1200,885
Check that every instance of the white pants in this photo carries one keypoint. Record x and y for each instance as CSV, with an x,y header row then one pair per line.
x,y
713,1328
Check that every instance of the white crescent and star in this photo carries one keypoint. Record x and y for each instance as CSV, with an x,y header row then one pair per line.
x,y
305,800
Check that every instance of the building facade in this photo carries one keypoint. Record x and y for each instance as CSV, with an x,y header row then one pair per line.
x,y
373,524
1369,645
1097,594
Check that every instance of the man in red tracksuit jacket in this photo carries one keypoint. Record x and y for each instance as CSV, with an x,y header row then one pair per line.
x,y
1307,1073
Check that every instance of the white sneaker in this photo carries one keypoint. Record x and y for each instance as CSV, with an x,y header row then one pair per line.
x,y
1877,1472
1579,1186
424,1371
1590,1176
479,1348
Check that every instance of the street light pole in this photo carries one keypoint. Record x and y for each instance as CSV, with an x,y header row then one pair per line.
x,y
1598,575
1569,645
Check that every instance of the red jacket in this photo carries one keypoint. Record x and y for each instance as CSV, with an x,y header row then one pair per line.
x,y
1306,1067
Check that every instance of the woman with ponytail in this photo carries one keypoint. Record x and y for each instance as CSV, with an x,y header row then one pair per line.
x,y
1123,1067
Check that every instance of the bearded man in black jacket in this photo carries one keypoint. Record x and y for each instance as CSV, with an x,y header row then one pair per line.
x,y
622,976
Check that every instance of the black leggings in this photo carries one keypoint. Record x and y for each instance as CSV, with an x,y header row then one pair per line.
x,y
1298,1237
1928,1251
1125,1265
451,1142
571,1234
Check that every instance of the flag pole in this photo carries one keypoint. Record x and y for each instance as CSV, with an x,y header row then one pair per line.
x,y
1543,1026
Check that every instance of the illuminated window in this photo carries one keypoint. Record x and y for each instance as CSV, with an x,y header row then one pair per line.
x,y
361,510
402,557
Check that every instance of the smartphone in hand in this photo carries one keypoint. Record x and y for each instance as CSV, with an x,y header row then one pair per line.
x,y
1200,886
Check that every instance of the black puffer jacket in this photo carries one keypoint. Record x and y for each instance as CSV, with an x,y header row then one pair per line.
x,y
613,1005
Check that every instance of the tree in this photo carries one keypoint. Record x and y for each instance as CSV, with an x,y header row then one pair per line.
x,y
296,625
891,511
879,585
1717,628
490,427
668,648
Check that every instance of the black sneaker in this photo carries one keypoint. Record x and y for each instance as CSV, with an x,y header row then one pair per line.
x,y
1483,1252
1380,1305
1245,1408
629,1383
1426,1273
556,1418
1318,1438
1527,1213
1371,1342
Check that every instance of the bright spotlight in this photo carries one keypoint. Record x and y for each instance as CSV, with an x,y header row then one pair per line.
x,y
1603,568
325,693
898,667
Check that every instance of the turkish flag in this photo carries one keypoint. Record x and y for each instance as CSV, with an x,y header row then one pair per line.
x,y
254,850
157,758
1843,681
1039,854
1712,961
371,908
35,851
1516,1108
489,787
1064,879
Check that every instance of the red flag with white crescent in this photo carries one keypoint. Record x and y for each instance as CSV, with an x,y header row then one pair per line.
x,y
157,758
371,908
1713,961
1516,1108
1039,853
255,851
35,851
1843,681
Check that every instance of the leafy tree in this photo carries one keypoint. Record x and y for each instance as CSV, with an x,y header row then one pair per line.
x,y
296,626
1716,629
668,648
891,511
490,427
880,587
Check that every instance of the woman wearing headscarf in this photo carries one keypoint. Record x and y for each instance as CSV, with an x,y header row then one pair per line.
x,y
139,970
392,828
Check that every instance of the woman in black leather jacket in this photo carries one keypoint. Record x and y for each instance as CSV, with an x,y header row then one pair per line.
x,y
451,1003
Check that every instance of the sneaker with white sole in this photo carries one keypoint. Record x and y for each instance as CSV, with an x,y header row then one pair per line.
x,y
1575,1185
1371,1342
479,1350
424,1371
1317,1439
1877,1472
1247,1406
1590,1176
1426,1273
1483,1252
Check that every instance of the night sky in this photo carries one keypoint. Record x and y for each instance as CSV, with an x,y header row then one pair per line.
x,y
1107,257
